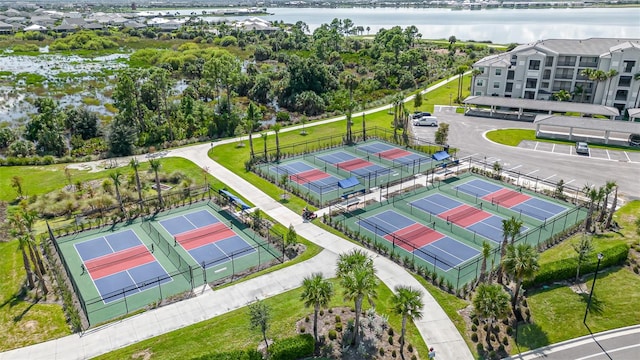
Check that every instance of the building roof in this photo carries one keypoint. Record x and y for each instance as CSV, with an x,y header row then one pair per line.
x,y
498,60
4,25
544,105
634,112
589,123
591,46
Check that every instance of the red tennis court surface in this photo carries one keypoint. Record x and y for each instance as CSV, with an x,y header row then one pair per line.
x,y
464,215
417,235
506,197
394,154
309,176
119,261
353,164
204,235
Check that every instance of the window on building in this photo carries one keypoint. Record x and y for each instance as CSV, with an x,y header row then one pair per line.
x,y
529,94
481,70
548,61
479,82
509,87
511,74
534,65
544,85
621,95
496,84
498,72
628,65
478,93
531,83
624,81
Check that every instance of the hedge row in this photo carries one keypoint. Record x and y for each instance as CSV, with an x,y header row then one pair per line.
x,y
292,348
566,268
232,355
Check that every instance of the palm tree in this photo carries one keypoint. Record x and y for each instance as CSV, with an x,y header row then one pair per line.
x,y
350,82
264,137
407,302
579,90
135,165
276,129
253,115
491,303
316,292
594,75
516,225
521,262
506,231
636,77
608,76
23,244
24,221
397,110
608,188
358,278
115,177
460,71
474,73
155,167
594,197
613,208
486,251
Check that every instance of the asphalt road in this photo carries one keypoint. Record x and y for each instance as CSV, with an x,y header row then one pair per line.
x,y
466,134
618,344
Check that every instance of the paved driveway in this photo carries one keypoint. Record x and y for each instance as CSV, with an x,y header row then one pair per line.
x,y
613,155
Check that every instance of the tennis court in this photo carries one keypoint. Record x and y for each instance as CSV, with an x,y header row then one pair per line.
x,y
420,240
209,241
307,176
528,205
355,165
120,261
393,153
470,217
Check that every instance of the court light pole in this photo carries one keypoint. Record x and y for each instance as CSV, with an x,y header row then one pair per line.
x,y
593,285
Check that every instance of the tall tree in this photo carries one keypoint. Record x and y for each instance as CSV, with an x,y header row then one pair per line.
x,y
609,75
276,129
636,77
486,251
253,116
155,165
351,83
23,245
316,292
135,165
490,303
264,137
608,188
115,177
506,231
460,70
614,204
521,262
516,227
583,249
474,74
407,302
259,317
358,278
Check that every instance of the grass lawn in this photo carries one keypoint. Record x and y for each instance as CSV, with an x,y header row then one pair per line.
x,y
231,331
23,323
558,311
513,137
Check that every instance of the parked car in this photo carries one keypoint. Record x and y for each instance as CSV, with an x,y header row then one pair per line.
x,y
418,114
634,140
582,148
426,121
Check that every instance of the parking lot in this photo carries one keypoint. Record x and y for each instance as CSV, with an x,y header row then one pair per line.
x,y
614,155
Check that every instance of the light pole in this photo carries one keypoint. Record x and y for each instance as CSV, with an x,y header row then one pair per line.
x,y
593,285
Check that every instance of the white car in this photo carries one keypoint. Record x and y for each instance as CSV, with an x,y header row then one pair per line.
x,y
582,148
426,121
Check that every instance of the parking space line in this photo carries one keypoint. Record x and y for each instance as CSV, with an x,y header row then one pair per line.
x,y
533,172
627,155
515,167
547,178
536,147
553,149
609,156
570,181
570,150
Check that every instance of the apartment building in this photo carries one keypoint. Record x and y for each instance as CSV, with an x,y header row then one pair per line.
x,y
602,71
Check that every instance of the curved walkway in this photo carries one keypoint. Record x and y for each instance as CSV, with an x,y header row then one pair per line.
x,y
435,327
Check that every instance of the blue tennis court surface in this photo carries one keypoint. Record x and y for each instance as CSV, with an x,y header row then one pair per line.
x,y
211,249
393,153
116,274
180,224
308,176
490,227
438,249
353,164
534,207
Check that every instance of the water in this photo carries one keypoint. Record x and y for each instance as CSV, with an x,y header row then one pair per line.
x,y
498,25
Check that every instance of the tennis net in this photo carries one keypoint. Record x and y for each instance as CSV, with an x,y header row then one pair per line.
x,y
464,213
118,258
510,194
209,232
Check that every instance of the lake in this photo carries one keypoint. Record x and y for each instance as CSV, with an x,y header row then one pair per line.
x,y
498,25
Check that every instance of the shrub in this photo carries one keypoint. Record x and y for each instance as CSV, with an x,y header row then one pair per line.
x,y
410,348
390,340
381,351
338,319
474,337
505,340
321,312
474,327
232,355
296,347
390,331
339,327
306,318
414,357
333,335
393,353
566,268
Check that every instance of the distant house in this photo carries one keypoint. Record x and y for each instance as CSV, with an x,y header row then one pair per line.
x,y
133,25
16,20
5,28
255,24
36,27
65,28
42,20
93,26
74,22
